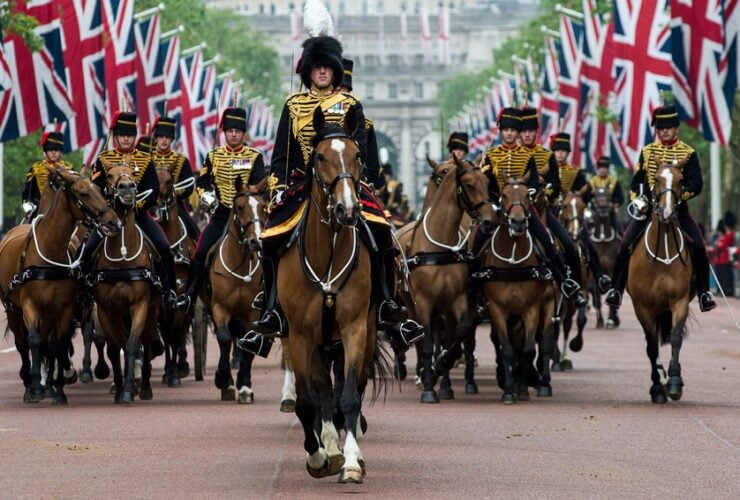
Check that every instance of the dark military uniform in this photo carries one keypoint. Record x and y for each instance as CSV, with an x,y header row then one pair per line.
x,y
38,175
614,190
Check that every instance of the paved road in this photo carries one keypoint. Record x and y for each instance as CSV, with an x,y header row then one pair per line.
x,y
598,436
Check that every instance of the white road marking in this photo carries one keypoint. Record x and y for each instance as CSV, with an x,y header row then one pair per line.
x,y
710,431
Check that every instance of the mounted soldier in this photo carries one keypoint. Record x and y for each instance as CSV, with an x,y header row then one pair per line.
x,y
572,180
667,148
52,145
613,189
123,132
457,145
513,160
178,166
321,72
216,183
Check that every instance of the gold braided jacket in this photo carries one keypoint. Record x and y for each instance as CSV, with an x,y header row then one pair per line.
x,y
225,165
171,160
609,183
568,174
666,153
39,172
509,162
136,160
302,106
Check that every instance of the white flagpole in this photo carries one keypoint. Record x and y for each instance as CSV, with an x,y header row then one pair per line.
x,y
716,191
2,187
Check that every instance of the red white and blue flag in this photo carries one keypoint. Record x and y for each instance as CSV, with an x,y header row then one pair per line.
x,y
193,143
150,82
569,80
120,56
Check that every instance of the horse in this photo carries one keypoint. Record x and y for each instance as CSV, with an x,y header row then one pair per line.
x,y
572,214
126,290
521,298
606,239
37,281
324,286
659,282
183,247
438,259
235,276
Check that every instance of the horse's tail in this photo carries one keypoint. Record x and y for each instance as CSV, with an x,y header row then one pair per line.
x,y
665,327
381,369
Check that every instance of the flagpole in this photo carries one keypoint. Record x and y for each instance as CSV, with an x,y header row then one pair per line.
x,y
716,190
2,187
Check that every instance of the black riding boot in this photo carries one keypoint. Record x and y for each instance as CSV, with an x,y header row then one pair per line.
x,y
603,281
619,280
568,286
167,272
196,273
701,268
258,340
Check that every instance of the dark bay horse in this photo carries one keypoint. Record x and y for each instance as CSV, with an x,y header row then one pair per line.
x,y
37,281
438,258
126,290
235,276
572,215
659,283
606,240
176,323
521,298
324,286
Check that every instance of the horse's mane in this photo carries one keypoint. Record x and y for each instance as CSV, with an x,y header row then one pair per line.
x,y
329,129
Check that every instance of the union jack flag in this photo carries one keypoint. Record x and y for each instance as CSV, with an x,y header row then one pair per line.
x,y
549,103
703,96
642,70
569,80
731,55
150,84
120,55
193,143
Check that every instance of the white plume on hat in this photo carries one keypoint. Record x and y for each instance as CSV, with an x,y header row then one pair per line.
x,y
316,19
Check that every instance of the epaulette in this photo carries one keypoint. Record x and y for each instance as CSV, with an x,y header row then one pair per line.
x,y
368,123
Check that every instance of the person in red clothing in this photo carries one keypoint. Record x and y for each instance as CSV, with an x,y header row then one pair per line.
x,y
720,253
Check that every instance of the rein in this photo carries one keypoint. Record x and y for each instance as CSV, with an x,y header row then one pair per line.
x,y
240,238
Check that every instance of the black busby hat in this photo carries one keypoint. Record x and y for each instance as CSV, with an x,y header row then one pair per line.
x,y
164,126
665,117
347,64
509,118
145,144
530,119
234,118
52,141
603,162
560,141
321,51
124,123
458,140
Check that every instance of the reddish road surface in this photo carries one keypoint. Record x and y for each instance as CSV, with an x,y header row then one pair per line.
x,y
598,436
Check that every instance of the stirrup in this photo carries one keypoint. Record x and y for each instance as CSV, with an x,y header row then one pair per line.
x,y
183,303
569,287
706,302
389,313
613,298
169,299
411,332
605,283
258,303
268,329
255,343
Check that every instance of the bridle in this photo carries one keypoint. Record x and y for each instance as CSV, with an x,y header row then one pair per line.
x,y
242,236
516,203
163,209
463,199
328,191
574,218
91,216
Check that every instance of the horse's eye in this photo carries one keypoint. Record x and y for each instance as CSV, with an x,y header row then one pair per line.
x,y
320,157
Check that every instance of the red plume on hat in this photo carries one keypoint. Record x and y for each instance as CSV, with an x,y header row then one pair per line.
x,y
552,140
114,119
500,112
44,136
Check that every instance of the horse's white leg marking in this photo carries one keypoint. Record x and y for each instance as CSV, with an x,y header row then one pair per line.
x,y
338,146
330,438
351,451
317,459
289,385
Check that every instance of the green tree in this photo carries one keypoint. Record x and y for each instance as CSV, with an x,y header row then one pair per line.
x,y
16,23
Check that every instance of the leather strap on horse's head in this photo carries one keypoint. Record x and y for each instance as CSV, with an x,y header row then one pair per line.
x,y
462,195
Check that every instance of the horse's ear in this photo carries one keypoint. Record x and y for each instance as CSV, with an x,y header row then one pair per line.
x,y
525,179
259,188
319,121
238,184
432,163
478,161
350,121
582,192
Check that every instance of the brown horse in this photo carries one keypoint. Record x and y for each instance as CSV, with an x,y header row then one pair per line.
x,y
37,282
235,276
606,240
177,322
324,286
659,283
521,298
126,290
572,215
437,256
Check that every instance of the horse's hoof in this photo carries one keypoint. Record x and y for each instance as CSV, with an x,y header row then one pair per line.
x,y
50,392
508,399
86,376
59,400
145,394
350,475
556,367
70,377
675,388
599,324
228,394
567,364
246,396
183,369
429,397
33,395
287,406
361,461
419,384
576,344
173,381
471,388
522,395
658,395
446,393
544,391
102,371
332,466
127,397
113,389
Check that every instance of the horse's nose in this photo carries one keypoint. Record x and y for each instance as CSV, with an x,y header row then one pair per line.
x,y
346,215
254,245
486,226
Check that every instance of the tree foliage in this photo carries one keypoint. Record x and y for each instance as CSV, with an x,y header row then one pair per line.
x,y
15,23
